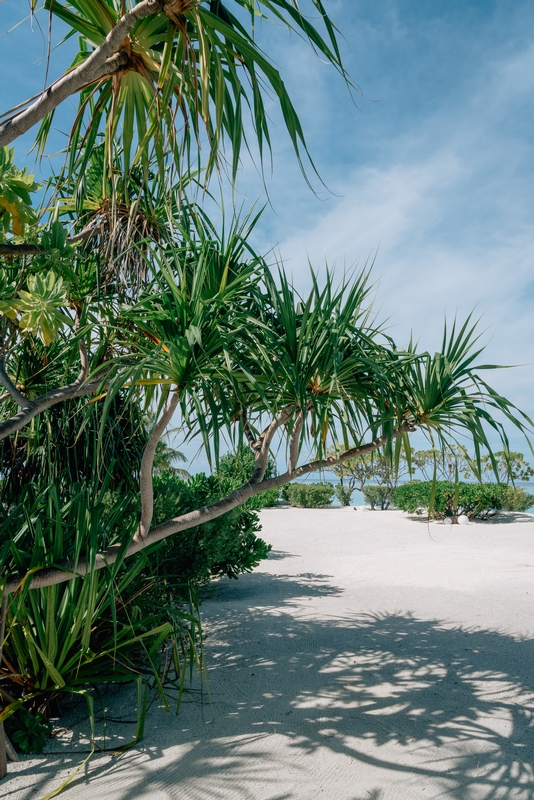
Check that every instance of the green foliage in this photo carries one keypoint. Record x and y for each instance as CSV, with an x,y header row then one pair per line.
x,y
308,495
16,187
378,496
165,458
235,469
39,306
356,471
516,499
510,467
379,465
72,442
190,80
343,494
505,466
101,628
29,731
451,500
446,463
226,546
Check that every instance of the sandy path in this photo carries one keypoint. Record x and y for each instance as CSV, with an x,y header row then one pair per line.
x,y
371,657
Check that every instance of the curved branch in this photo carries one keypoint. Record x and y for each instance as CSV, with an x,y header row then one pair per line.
x,y
35,249
21,249
101,61
146,487
263,443
10,387
76,389
294,443
53,575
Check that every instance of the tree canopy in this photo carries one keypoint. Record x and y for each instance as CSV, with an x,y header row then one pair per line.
x,y
123,307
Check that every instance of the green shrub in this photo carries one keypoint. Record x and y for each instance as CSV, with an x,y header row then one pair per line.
x,y
378,496
226,546
516,499
97,629
235,469
308,495
343,494
451,500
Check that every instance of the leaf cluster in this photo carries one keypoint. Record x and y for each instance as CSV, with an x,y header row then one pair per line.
x,y
16,188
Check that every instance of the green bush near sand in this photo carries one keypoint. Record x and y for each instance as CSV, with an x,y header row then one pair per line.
x,y
308,495
225,546
516,499
451,500
344,494
378,496
236,468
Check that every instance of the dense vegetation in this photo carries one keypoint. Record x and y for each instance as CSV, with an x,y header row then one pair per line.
x,y
308,495
445,499
123,309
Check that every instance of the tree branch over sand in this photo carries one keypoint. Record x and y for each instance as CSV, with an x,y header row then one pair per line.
x,y
256,485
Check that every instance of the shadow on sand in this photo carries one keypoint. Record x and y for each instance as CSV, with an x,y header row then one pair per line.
x,y
408,699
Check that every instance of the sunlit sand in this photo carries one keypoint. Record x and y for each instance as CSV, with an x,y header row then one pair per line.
x,y
372,656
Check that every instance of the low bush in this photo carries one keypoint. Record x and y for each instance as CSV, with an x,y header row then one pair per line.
x,y
235,469
226,546
516,499
101,628
451,500
343,494
28,732
111,625
378,496
308,495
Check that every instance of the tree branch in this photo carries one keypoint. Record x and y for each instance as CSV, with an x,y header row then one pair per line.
x,y
53,575
10,387
246,428
146,486
47,400
101,61
263,443
35,249
20,249
294,443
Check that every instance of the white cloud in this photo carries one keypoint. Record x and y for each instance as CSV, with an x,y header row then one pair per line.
x,y
450,211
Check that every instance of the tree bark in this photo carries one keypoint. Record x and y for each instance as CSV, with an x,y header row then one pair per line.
x,y
11,250
11,389
103,60
146,485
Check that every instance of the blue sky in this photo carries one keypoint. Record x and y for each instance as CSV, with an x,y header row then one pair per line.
x,y
431,171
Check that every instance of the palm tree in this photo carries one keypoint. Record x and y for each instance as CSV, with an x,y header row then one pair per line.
x,y
224,344
159,76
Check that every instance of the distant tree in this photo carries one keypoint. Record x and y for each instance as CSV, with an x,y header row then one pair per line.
x,y
510,467
446,463
165,459
504,467
378,466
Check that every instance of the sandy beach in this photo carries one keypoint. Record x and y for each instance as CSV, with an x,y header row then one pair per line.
x,y
372,657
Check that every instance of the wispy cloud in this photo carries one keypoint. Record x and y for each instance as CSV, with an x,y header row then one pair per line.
x,y
448,209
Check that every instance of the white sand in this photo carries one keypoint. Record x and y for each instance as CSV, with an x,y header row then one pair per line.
x,y
371,657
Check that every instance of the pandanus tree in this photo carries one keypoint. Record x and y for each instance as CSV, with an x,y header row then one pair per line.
x,y
221,341
145,306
